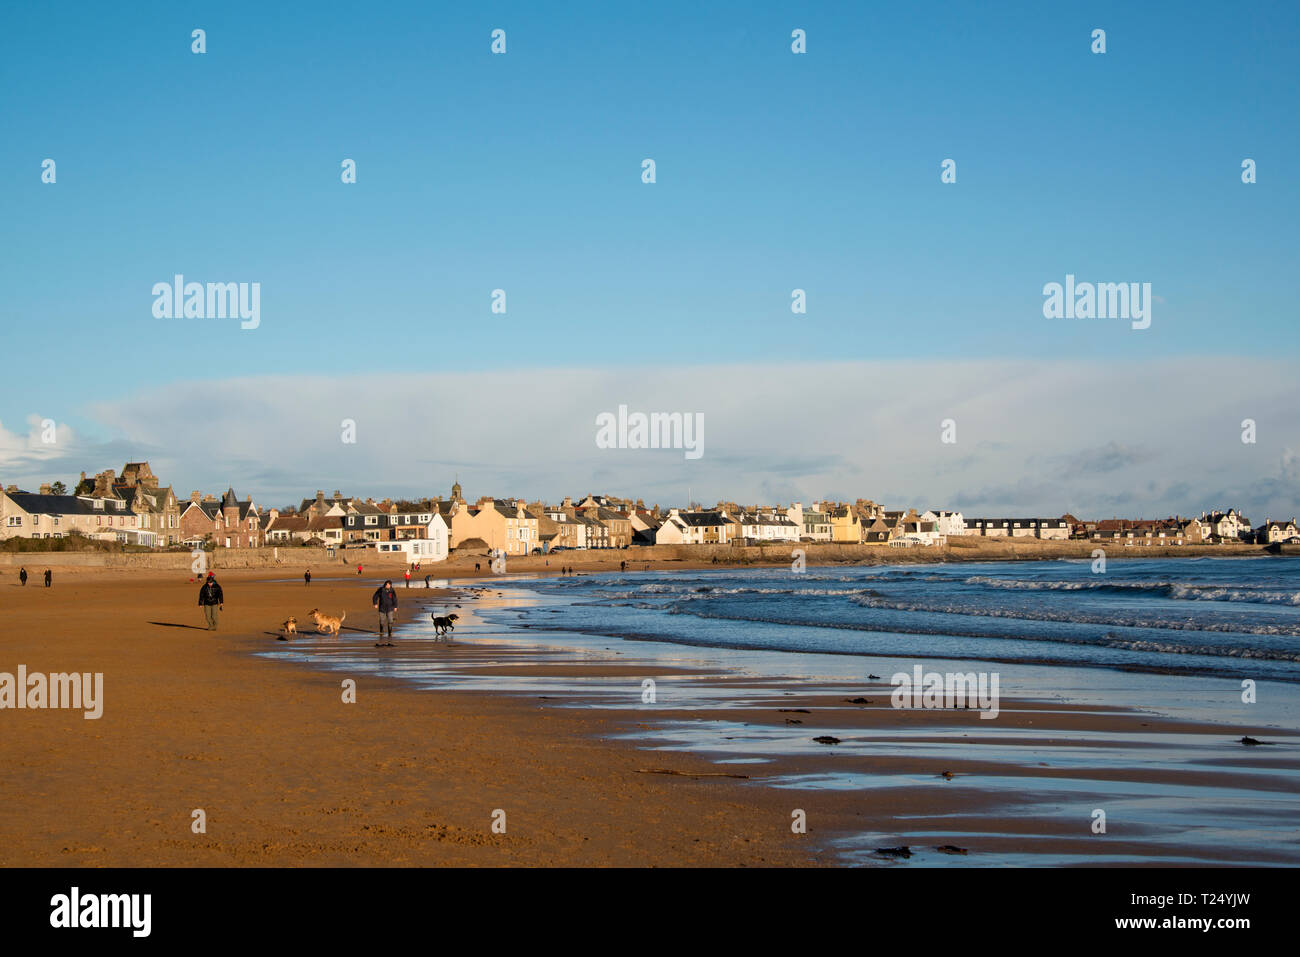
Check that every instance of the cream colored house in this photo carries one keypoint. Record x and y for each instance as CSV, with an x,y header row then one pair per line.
x,y
505,526
44,515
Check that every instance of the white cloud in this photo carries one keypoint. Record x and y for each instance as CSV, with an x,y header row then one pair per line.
x,y
1033,437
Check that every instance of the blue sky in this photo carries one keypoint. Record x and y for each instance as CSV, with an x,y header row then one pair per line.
x,y
522,172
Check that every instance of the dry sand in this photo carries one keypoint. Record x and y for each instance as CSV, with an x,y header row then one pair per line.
x,y
288,774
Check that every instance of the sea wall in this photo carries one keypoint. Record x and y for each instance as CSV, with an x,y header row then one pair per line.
x,y
967,548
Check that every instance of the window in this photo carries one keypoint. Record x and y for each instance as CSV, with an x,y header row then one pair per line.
x,y
372,519
15,521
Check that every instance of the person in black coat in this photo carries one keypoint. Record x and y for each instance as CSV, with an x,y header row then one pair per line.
x,y
211,600
385,601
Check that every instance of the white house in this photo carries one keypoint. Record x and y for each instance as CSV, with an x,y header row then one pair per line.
x,y
918,533
1230,526
695,528
768,525
945,522
431,546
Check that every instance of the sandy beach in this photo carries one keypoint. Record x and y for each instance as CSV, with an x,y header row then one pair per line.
x,y
288,774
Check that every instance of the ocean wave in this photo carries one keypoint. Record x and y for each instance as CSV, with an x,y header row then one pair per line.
x,y
1106,640
1113,619
1184,591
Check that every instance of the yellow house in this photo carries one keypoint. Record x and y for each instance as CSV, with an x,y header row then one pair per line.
x,y
846,527
504,525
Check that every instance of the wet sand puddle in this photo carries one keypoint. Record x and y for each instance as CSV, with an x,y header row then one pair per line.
x,y
1020,790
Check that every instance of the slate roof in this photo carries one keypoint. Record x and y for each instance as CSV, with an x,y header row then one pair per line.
x,y
701,519
34,503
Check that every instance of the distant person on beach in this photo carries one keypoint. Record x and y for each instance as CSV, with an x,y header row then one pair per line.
x,y
212,600
385,601
358,569
622,566
407,574
306,576
49,578
22,576
476,567
426,581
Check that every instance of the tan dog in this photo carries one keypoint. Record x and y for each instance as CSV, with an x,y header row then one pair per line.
x,y
290,626
327,623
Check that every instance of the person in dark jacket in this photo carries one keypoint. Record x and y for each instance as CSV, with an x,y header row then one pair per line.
x,y
22,575
385,601
307,576
212,600
49,578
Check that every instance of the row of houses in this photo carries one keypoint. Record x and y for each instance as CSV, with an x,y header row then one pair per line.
x,y
135,508
1230,527
132,508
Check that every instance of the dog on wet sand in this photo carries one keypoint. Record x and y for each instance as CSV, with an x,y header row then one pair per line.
x,y
443,624
289,626
327,623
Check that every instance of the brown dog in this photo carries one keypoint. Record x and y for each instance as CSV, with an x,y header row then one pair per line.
x,y
327,623
290,626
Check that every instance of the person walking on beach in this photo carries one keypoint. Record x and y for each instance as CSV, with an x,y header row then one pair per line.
x,y
212,600
622,566
358,569
22,576
385,601
426,581
306,576
407,573
49,578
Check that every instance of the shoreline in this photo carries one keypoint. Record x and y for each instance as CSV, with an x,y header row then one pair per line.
x,y
411,777
581,679
292,560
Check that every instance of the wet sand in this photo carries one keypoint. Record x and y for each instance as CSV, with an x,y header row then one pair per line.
x,y
288,774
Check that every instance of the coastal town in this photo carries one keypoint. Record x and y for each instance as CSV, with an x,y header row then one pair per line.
x,y
134,508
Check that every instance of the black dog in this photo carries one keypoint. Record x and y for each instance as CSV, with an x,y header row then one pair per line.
x,y
442,625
